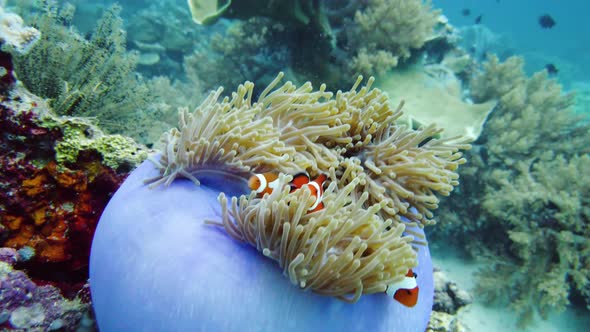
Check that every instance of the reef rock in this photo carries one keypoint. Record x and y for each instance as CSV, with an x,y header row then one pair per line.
x,y
26,306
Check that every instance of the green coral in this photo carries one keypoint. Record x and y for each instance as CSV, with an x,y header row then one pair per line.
x,y
79,134
524,201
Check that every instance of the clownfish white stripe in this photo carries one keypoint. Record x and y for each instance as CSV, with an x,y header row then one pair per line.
x,y
263,183
318,198
406,283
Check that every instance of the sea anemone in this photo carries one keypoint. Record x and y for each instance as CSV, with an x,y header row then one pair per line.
x,y
157,266
158,263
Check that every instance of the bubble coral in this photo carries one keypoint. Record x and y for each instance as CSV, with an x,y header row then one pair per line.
x,y
158,263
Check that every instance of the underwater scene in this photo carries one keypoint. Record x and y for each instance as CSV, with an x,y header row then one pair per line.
x,y
294,165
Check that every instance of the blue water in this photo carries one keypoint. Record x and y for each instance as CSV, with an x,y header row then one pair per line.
x,y
565,45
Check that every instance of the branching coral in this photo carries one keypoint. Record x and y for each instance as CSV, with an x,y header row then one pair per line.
x,y
533,115
327,41
522,202
379,171
551,243
388,30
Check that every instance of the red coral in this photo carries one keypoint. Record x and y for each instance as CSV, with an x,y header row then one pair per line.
x,y
47,206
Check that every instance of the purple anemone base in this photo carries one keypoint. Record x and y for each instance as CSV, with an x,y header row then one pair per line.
x,y
156,266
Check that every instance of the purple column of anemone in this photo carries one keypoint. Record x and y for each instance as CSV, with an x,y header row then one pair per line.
x,y
155,266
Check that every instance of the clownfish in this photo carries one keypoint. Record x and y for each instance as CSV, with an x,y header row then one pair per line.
x,y
316,187
405,291
265,183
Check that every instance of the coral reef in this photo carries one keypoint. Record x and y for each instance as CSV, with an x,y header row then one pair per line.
x,y
553,242
207,11
57,175
307,13
163,33
522,201
91,78
480,41
386,31
25,306
252,49
384,177
328,43
443,322
14,34
533,116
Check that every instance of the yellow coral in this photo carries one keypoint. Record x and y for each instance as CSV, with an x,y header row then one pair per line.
x,y
388,30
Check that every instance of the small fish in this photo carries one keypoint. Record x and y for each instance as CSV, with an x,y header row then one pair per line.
x,y
299,180
478,19
546,21
263,183
317,190
405,291
466,12
551,69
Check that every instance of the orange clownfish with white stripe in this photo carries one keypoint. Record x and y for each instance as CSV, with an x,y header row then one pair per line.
x,y
405,291
316,187
265,183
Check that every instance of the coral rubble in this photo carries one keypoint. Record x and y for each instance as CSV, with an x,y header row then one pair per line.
x,y
448,297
